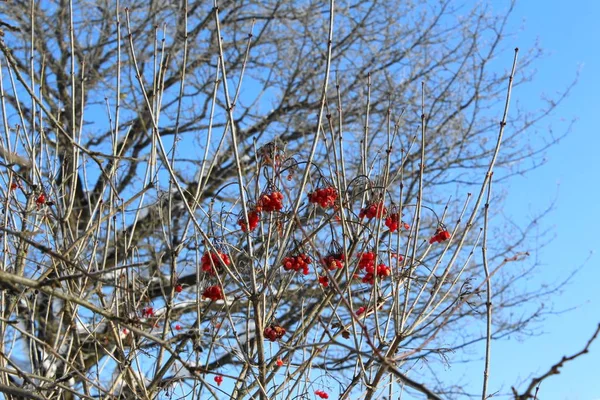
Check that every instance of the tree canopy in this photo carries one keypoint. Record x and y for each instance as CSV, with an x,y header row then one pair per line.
x,y
250,198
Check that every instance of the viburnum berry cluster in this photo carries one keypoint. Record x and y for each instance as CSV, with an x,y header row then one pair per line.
x,y
325,197
148,312
297,263
41,200
253,220
382,271
334,261
373,210
393,222
274,332
210,261
441,235
366,262
324,281
322,394
270,202
213,292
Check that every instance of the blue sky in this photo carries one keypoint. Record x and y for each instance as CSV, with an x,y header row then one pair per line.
x,y
568,32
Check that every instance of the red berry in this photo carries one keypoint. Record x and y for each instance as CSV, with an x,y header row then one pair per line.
x,y
274,332
213,292
178,288
271,202
253,219
373,210
218,379
334,261
441,235
177,327
41,200
360,310
324,197
148,312
324,281
398,256
392,222
297,263
383,270
366,260
210,259
279,362
322,394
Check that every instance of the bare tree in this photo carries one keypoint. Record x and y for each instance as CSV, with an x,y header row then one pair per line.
x,y
157,233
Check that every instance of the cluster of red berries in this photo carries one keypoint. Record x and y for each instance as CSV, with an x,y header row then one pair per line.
x,y
147,312
253,219
334,261
382,271
210,261
373,210
41,200
274,332
324,281
441,235
324,197
297,263
218,380
213,292
366,261
399,256
393,221
322,394
270,202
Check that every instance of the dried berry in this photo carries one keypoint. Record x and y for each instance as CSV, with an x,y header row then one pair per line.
x,y
274,332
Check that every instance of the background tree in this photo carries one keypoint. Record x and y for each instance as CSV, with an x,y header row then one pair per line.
x,y
131,164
